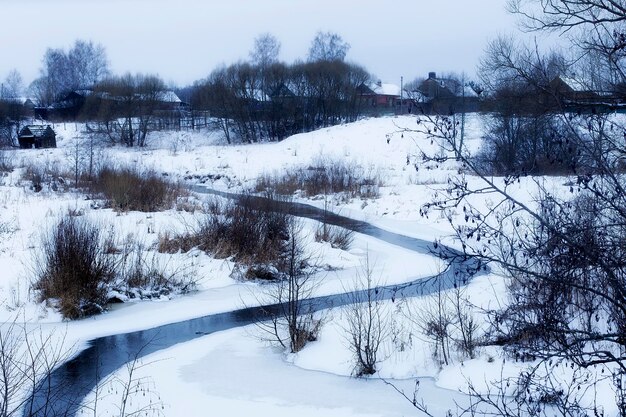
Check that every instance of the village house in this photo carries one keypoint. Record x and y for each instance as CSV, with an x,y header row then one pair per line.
x,y
37,136
446,96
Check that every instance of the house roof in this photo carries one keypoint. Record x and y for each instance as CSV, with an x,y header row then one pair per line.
x,y
37,131
282,91
169,96
451,86
380,89
573,83
386,89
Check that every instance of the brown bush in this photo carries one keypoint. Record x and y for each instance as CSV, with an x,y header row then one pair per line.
x,y
251,230
73,268
128,189
248,229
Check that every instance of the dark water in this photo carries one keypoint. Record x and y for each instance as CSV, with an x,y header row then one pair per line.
x,y
63,392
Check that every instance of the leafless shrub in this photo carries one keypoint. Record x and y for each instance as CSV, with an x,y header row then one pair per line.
x,y
291,322
27,358
73,269
466,335
7,227
127,392
130,189
142,274
446,319
35,176
138,388
367,322
170,243
188,205
251,230
286,184
435,321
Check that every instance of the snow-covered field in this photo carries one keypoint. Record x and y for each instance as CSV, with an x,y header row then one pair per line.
x,y
235,372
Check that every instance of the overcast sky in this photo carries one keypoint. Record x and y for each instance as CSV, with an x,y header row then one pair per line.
x,y
183,40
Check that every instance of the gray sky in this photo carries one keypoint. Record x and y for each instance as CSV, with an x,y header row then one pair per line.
x,y
183,40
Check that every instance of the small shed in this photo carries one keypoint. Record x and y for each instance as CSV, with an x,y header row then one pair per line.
x,y
37,136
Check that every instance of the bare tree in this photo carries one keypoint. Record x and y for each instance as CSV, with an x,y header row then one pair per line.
x,y
328,46
56,76
593,25
263,55
13,85
88,63
128,106
12,111
265,51
81,67
561,253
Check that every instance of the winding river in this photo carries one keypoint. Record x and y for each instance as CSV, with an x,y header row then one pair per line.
x,y
65,389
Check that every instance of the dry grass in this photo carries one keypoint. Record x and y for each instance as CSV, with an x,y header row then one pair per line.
x,y
6,162
338,237
128,189
324,177
44,176
143,274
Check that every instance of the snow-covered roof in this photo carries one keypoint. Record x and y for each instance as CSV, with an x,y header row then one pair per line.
x,y
385,89
574,84
36,131
84,92
169,97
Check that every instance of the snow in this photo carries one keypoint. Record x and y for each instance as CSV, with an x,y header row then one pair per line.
x,y
234,372
386,89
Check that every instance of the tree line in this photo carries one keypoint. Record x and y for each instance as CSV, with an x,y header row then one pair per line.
x,y
255,102
258,99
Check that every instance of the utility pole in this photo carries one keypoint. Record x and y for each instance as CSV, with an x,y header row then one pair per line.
x,y
462,117
401,93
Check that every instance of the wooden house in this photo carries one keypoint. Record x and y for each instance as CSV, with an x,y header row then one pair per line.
x,y
447,96
37,136
379,94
